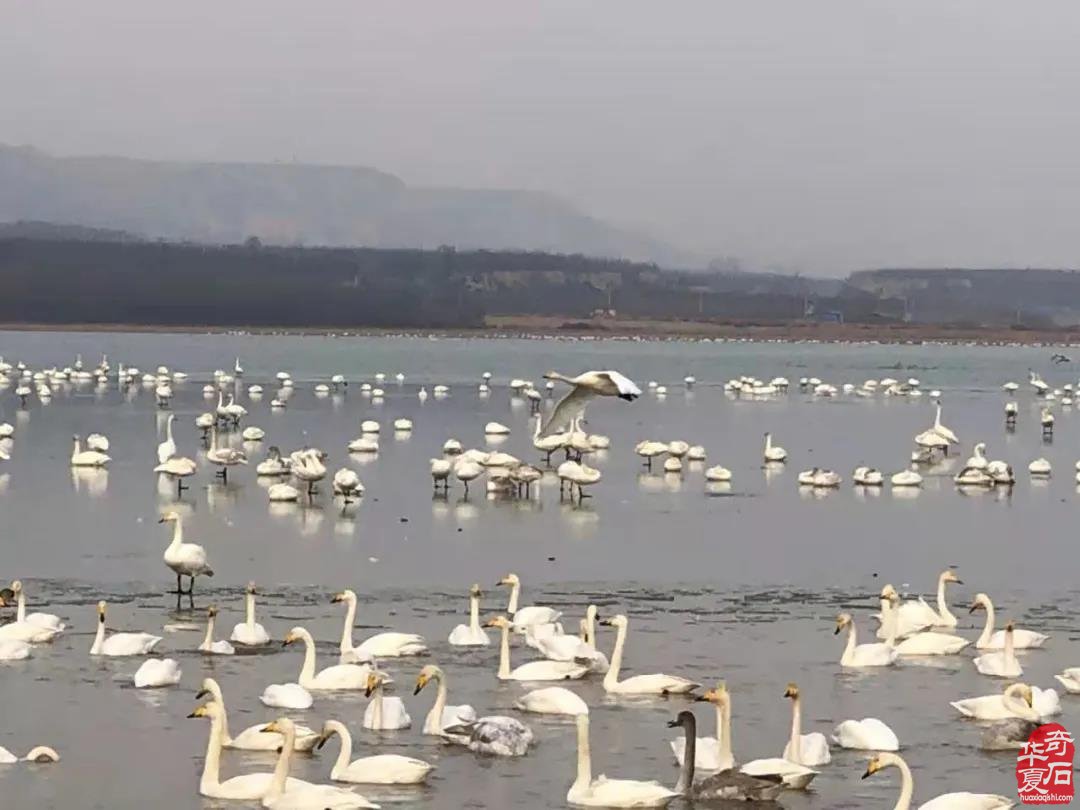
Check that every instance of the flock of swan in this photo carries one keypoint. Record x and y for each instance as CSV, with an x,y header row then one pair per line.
x,y
908,629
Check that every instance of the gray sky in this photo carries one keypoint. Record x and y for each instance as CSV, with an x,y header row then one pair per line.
x,y
818,135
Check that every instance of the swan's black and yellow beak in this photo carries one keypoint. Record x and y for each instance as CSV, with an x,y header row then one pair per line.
x,y
201,694
672,723
337,597
867,773
322,741
836,632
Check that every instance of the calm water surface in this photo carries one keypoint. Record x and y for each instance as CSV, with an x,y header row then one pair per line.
x,y
742,586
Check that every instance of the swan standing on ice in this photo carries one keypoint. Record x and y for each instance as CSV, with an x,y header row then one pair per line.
x,y
604,792
585,387
347,484
223,457
946,801
726,786
209,646
441,716
249,632
440,473
252,738
380,645
381,769
167,449
471,634
639,684
534,670
383,713
466,470
87,458
185,559
120,644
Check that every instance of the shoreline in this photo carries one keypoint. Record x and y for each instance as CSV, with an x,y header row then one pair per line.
x,y
531,327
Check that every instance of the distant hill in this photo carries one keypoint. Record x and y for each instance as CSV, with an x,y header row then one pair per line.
x,y
288,204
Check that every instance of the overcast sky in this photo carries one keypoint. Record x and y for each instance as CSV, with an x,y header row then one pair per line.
x,y
816,135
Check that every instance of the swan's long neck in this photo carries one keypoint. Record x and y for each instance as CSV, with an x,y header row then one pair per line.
x,y
768,442
937,417
474,614
988,628
99,637
795,752
281,770
889,620
226,738
849,648
723,720
433,723
376,701
307,671
20,610
1019,707
1008,655
504,653
686,771
168,431
345,754
515,592
78,447
249,607
612,676
209,633
211,774
590,628
346,631
943,604
177,535
907,785
584,756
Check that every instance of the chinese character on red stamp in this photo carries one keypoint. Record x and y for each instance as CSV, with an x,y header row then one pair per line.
x,y
1044,768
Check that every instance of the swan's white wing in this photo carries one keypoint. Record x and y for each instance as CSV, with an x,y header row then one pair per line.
x,y
567,410
627,388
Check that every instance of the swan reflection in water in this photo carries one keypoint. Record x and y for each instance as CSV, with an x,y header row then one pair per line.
x,y
94,481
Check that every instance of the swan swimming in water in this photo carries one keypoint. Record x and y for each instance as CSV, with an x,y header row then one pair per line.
x,y
946,801
552,700
441,715
603,792
729,785
711,753
857,655
338,677
1001,664
381,769
383,713
87,458
47,621
381,645
868,734
209,646
252,738
639,684
157,672
990,640
120,644
471,634
806,749
281,796
40,754
534,670
249,632
526,616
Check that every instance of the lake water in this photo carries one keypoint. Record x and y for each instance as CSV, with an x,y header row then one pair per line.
x,y
742,586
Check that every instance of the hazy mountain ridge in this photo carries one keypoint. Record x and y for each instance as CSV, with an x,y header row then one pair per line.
x,y
301,204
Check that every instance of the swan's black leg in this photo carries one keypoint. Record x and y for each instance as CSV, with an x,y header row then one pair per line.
x,y
179,590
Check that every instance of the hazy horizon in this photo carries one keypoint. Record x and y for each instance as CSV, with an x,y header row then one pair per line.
x,y
821,137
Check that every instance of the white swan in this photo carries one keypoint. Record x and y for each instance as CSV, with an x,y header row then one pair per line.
x,y
283,493
120,644
281,796
919,643
383,713
556,646
726,786
47,621
1070,679
167,449
526,616
471,634
1018,700
338,677
639,684
773,453
867,477
286,696
157,672
381,769
711,753
978,460
1040,467
40,754
466,470
13,649
87,458
552,700
794,775
185,559
548,444
940,429
913,613
946,801
96,441
347,484
249,632
223,457
209,646
585,387
441,715
990,640
1001,664
718,474
274,464
857,655
868,734
381,645
806,749
604,792
534,670
252,738
906,478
